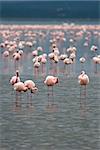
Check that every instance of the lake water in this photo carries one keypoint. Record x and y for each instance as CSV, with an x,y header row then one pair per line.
x,y
71,123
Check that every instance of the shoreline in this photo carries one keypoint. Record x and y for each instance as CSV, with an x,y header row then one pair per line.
x,y
71,26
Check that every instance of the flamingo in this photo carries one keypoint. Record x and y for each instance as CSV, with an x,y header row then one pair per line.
x,y
16,57
32,87
96,61
6,53
50,81
56,60
82,61
43,61
19,87
15,78
34,53
83,80
6,58
36,68
94,48
67,61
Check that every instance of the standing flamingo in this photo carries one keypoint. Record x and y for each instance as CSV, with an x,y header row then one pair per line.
x,y
6,58
43,61
16,57
96,61
15,78
36,68
82,61
50,81
83,80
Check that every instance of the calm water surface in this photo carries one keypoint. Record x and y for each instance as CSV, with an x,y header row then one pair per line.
x,y
72,123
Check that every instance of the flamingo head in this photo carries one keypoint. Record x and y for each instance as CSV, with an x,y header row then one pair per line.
x,y
17,51
25,89
17,73
34,89
82,72
57,80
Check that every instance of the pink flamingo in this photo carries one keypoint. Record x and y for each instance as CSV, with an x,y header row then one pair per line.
x,y
36,68
56,60
19,87
61,58
6,58
83,80
96,61
50,81
43,61
32,87
16,57
15,78
34,53
67,62
82,61
6,53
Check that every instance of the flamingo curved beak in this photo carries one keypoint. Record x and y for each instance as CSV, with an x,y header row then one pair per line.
x,y
57,81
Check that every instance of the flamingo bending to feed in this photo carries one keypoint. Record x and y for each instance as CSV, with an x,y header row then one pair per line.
x,y
19,87
32,87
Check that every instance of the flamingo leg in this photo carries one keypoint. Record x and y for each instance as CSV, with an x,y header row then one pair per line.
x,y
82,109
82,66
30,99
85,91
50,66
56,68
52,96
48,96
66,70
37,71
80,91
69,69
15,64
17,100
20,97
64,67
42,68
96,68
34,72
27,98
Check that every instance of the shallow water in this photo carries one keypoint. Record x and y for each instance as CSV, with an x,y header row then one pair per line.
x,y
70,122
